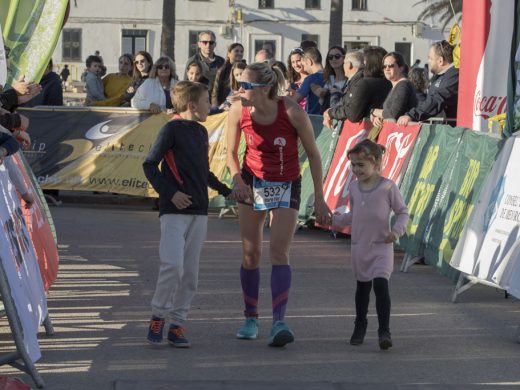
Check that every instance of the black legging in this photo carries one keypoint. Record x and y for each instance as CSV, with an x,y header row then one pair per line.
x,y
383,303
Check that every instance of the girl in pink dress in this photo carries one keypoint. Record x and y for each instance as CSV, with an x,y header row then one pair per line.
x,y
372,198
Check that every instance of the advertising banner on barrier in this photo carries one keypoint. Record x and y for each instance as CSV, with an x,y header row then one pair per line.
x,y
460,186
326,140
488,246
103,149
39,227
31,30
436,145
488,30
335,188
20,266
399,142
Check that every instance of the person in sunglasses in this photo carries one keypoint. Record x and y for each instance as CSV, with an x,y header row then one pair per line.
x,y
154,94
402,97
269,181
335,79
205,56
367,87
442,97
142,66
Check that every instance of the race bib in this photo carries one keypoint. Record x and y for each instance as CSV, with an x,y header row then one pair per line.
x,y
271,194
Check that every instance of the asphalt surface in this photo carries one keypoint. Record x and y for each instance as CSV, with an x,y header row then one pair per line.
x,y
100,310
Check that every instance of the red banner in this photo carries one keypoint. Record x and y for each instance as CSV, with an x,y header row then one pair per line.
x,y
485,52
340,175
39,230
399,142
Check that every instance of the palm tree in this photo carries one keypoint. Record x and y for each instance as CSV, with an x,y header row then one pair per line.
x,y
168,29
444,10
336,23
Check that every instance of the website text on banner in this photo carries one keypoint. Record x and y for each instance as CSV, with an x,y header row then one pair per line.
x,y
488,31
18,260
489,245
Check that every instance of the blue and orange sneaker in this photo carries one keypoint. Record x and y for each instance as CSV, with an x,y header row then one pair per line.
x,y
176,337
280,335
155,331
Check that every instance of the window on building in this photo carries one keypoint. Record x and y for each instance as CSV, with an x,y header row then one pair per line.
x,y
359,5
134,41
71,44
312,4
265,4
405,48
266,44
193,42
355,45
311,37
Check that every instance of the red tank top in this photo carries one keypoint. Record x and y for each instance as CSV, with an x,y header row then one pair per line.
x,y
271,150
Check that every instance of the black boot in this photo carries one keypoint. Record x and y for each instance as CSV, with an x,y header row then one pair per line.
x,y
385,340
360,329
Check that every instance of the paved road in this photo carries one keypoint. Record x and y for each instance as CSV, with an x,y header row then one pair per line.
x,y
100,308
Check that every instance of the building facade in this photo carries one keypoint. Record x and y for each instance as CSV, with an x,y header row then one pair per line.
x,y
127,26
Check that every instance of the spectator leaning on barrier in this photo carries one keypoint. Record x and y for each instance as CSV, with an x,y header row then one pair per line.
x,y
442,96
115,84
402,96
367,93
154,94
52,92
207,59
142,66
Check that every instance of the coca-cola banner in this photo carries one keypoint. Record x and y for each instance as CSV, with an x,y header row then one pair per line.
x,y
340,175
399,142
486,45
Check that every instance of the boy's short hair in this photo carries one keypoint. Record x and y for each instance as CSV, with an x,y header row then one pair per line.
x,y
92,59
185,92
313,54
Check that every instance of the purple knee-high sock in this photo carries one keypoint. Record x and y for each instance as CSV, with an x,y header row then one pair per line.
x,y
280,285
250,279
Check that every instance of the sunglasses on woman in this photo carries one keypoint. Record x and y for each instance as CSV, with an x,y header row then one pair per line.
x,y
334,57
389,66
246,86
166,66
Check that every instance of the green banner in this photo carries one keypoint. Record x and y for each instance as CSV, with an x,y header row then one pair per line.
x,y
513,83
31,30
460,186
431,156
326,140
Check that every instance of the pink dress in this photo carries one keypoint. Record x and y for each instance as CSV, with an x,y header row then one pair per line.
x,y
370,220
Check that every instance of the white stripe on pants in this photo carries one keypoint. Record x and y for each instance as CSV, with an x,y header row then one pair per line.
x,y
182,237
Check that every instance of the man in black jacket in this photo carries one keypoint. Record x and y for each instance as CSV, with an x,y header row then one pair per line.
x,y
208,61
443,91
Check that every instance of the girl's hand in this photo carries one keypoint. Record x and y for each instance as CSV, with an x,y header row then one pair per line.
x,y
392,237
241,191
323,213
181,200
377,121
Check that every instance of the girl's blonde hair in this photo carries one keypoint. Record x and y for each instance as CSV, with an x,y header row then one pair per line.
x,y
369,150
264,74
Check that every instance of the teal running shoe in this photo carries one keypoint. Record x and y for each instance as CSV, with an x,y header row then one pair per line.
x,y
249,331
280,335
